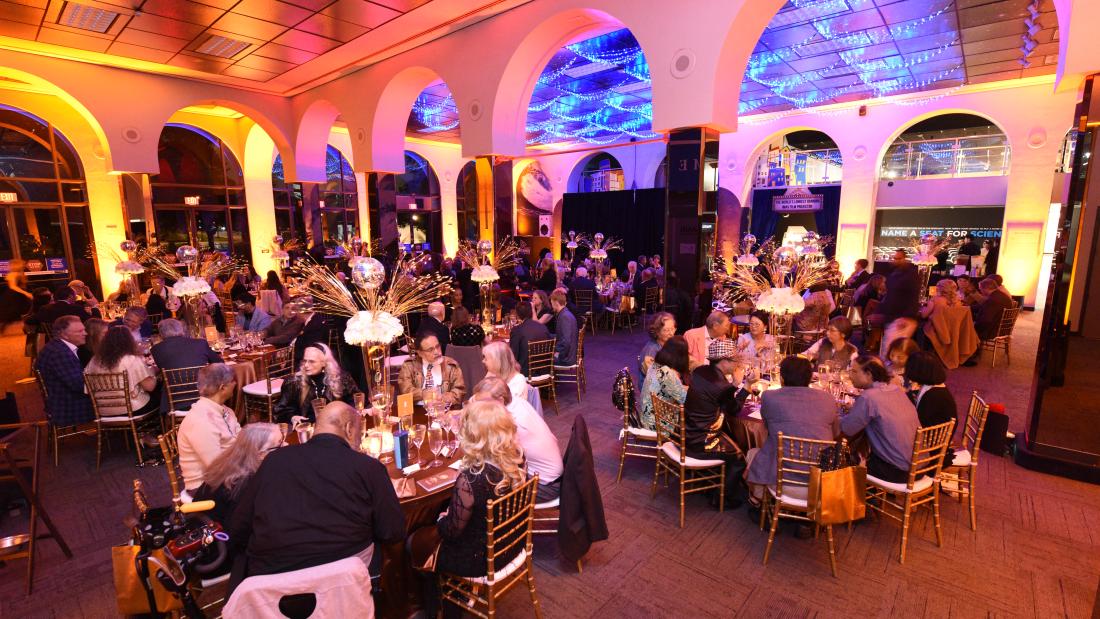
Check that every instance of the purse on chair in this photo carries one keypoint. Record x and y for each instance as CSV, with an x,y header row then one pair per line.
x,y
837,486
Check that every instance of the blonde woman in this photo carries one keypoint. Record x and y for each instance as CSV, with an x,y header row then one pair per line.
x,y
947,295
492,465
319,376
500,362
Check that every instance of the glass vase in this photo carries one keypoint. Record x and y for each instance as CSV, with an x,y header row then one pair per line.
x,y
376,365
194,317
779,325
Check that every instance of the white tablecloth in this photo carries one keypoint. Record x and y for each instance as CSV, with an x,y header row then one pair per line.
x,y
270,302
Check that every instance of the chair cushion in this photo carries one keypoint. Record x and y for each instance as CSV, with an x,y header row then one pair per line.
x,y
397,361
962,458
549,504
504,572
673,451
178,414
642,433
259,388
565,368
539,379
123,420
795,496
920,485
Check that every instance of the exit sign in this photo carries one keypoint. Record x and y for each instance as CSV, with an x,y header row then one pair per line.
x,y
8,196
191,200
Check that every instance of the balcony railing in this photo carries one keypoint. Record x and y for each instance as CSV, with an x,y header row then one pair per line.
x,y
947,158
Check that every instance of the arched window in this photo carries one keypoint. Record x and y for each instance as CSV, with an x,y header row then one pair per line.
x,y
468,224
948,145
799,158
419,226
339,199
44,220
331,209
289,205
603,172
198,196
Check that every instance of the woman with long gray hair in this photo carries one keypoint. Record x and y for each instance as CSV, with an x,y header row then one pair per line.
x,y
319,377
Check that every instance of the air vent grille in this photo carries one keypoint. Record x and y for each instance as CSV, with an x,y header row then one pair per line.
x,y
87,17
222,47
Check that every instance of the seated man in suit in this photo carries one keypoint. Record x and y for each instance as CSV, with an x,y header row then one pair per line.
x,y
581,282
988,314
62,374
136,319
178,350
250,317
715,392
63,304
427,368
795,410
528,330
433,323
716,327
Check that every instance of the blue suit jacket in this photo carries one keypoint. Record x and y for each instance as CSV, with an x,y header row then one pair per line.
x,y
67,404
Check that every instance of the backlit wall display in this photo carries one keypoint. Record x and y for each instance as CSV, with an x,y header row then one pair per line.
x,y
902,227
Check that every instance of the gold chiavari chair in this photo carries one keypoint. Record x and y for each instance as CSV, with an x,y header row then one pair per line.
x,y
510,521
652,302
635,442
154,319
789,497
585,307
182,387
169,449
622,314
1003,339
573,374
540,364
693,474
334,340
276,366
54,433
921,488
112,392
964,468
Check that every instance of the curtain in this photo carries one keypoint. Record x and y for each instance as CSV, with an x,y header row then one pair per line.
x,y
766,223
637,217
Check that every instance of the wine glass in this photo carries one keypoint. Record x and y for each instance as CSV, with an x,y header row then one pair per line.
x,y
416,436
435,444
455,422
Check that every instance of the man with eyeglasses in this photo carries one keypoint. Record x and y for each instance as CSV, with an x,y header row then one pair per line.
x,y
428,369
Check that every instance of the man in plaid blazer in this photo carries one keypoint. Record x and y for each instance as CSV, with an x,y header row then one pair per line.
x,y
63,375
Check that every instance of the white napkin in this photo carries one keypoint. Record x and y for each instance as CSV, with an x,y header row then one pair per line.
x,y
412,468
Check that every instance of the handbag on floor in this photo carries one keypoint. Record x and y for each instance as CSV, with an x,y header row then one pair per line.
x,y
837,486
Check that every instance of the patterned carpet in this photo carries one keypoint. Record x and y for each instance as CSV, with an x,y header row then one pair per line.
x,y
1035,553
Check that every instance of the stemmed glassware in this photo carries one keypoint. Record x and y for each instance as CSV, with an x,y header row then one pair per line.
x,y
454,424
416,437
435,444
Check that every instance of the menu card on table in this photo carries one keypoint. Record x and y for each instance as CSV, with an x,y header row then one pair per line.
x,y
438,480
405,405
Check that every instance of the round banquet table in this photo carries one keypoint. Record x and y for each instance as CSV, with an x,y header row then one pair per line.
x,y
399,594
748,430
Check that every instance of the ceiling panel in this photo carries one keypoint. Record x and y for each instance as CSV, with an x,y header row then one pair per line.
x,y
281,13
361,12
154,41
288,54
183,10
18,30
249,26
21,13
141,53
165,25
332,28
309,42
270,65
73,39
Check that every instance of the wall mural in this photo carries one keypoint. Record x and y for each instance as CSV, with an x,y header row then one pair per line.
x,y
536,191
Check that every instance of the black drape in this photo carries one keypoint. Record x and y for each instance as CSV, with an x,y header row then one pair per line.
x,y
766,222
635,216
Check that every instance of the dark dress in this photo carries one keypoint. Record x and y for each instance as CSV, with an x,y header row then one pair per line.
x,y
937,406
468,335
464,530
291,402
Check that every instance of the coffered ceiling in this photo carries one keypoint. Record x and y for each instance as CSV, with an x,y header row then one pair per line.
x,y
271,45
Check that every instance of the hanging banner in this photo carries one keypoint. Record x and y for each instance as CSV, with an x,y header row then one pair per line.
x,y
797,200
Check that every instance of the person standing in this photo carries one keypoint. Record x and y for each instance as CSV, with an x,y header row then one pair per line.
x,y
901,307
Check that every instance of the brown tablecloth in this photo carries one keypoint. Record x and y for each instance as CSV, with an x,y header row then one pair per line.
x,y
245,373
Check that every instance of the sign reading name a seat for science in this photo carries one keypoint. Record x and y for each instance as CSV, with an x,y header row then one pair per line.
x,y
797,200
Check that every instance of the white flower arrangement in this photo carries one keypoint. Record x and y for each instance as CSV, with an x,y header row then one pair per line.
x,y
598,254
280,254
367,327
129,267
190,286
484,273
571,245
780,301
748,260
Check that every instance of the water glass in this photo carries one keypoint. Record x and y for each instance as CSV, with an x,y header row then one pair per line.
x,y
416,437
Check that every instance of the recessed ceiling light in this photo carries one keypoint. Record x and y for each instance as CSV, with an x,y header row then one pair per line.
x,y
87,17
222,47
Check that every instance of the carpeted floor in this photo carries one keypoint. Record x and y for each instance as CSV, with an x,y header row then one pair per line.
x,y
1035,553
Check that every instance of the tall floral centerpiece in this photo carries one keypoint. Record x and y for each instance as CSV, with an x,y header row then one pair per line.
x,y
486,266
924,257
189,292
599,247
372,307
126,267
773,277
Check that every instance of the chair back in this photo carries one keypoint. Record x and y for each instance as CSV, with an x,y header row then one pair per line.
x,y
652,299
580,340
278,363
540,357
182,386
1008,322
975,426
623,397
793,458
154,319
929,447
510,520
670,423
583,300
42,390
169,449
109,392
468,359
333,342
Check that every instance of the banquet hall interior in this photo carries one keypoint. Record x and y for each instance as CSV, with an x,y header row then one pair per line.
x,y
575,308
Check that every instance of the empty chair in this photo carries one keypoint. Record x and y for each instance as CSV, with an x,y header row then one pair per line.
x,y
277,366
1003,339
469,361
635,441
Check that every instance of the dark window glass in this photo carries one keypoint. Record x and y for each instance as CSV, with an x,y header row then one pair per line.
x,y
241,246
169,195
332,200
73,192
25,150
39,233
31,191
235,197
189,156
80,239
282,198
172,228
6,252
282,223
212,230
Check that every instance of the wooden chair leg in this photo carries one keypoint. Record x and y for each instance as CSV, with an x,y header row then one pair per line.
x,y
622,459
98,446
905,527
682,498
832,548
656,473
722,489
534,595
936,516
771,533
970,498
